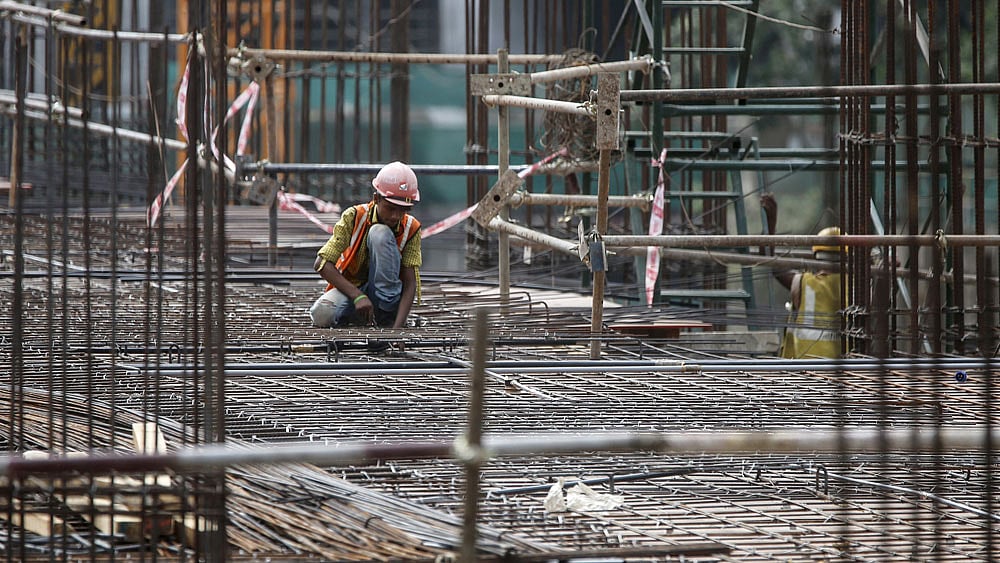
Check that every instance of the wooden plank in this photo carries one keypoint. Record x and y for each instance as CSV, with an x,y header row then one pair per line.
x,y
35,521
148,440
193,525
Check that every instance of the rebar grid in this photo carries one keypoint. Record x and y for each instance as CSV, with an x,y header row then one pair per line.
x,y
113,323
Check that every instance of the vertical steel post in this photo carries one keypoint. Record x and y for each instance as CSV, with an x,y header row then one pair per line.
x,y
503,163
272,151
608,105
399,84
474,434
20,87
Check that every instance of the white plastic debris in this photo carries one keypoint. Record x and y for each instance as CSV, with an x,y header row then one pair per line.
x,y
580,497
554,501
583,498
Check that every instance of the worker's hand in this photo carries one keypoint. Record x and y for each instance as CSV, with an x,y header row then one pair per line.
x,y
365,310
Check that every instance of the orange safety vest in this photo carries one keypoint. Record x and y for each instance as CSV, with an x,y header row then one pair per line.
x,y
815,327
348,263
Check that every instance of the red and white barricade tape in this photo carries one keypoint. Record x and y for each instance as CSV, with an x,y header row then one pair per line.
x,y
246,98
321,205
448,222
244,139
182,94
452,220
655,229
153,214
287,202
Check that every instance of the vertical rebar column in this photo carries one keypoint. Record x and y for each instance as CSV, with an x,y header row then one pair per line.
x,y
883,298
985,317
272,152
214,212
934,305
955,185
474,434
17,140
503,163
911,133
399,84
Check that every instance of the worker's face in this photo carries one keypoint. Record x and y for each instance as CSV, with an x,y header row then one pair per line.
x,y
390,213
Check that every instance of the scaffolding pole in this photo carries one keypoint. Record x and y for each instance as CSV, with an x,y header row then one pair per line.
x,y
789,440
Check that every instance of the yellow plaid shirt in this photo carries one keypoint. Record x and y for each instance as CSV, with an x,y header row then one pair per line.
x,y
341,239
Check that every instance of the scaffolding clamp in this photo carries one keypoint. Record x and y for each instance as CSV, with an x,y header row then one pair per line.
x,y
511,84
261,190
258,68
490,206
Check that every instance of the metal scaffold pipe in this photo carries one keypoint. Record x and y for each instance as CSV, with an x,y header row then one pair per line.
x,y
594,366
856,440
98,128
364,168
72,29
575,108
574,200
717,241
40,103
569,73
48,14
696,94
386,58
564,246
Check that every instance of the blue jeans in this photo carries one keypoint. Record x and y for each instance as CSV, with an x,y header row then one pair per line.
x,y
384,287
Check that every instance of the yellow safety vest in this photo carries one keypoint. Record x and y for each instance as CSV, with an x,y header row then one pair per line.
x,y
348,263
814,327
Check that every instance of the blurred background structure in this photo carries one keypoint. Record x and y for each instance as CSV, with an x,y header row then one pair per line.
x,y
169,169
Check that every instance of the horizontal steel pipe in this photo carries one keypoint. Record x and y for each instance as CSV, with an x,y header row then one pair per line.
x,y
387,58
568,73
98,128
40,103
789,262
567,247
723,150
557,366
556,168
575,108
775,109
364,168
572,200
722,241
784,165
102,34
859,440
650,365
53,15
780,92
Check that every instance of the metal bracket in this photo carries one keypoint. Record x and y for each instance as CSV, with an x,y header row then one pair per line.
x,y
489,207
608,109
258,68
262,190
511,84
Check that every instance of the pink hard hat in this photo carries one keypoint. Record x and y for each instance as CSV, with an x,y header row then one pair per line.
x,y
397,183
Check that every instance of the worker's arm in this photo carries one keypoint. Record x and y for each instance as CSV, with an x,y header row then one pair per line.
x,y
770,207
332,275
408,275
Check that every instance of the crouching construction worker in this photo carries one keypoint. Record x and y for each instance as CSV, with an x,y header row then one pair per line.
x,y
371,261
814,324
